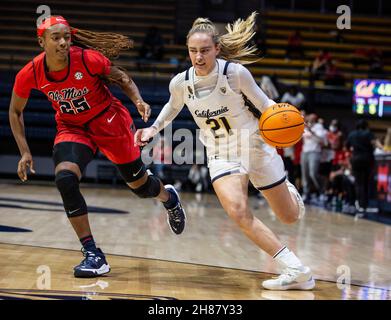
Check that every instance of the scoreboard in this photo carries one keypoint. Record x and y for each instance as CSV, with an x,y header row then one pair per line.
x,y
372,97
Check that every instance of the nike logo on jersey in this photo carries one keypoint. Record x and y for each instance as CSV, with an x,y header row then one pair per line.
x,y
45,85
111,119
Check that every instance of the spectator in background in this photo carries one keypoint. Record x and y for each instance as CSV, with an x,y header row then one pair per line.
x,y
361,142
335,139
297,150
387,141
340,191
359,56
321,121
294,97
153,45
314,138
319,64
364,56
268,86
333,76
325,165
295,47
338,37
330,153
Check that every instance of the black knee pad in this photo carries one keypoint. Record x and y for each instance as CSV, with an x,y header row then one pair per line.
x,y
68,184
132,171
150,189
73,152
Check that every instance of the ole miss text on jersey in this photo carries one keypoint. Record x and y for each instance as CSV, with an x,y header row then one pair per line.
x,y
77,93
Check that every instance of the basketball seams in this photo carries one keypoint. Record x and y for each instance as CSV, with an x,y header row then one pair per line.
x,y
296,125
278,113
282,144
272,141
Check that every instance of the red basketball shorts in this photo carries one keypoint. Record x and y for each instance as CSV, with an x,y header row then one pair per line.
x,y
112,132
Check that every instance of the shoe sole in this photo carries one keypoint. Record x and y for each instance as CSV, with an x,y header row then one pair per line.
x,y
184,212
308,285
92,273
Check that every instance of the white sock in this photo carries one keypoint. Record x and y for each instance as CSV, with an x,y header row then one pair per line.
x,y
286,258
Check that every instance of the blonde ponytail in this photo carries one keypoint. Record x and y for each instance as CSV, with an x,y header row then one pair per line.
x,y
233,44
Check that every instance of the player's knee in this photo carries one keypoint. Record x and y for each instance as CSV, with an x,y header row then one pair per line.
x,y
238,211
290,216
150,189
132,171
66,180
67,183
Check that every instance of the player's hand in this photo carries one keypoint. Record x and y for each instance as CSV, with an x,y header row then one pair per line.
x,y
142,136
25,162
144,109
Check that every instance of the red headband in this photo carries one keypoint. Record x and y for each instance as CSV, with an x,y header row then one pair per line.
x,y
47,23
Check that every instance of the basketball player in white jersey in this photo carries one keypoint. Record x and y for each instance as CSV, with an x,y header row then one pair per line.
x,y
213,90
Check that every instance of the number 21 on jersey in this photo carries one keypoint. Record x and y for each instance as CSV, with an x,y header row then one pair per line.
x,y
215,125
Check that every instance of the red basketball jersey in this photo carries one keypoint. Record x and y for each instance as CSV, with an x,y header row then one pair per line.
x,y
80,95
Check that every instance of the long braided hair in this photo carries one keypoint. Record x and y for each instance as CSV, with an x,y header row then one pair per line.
x,y
109,44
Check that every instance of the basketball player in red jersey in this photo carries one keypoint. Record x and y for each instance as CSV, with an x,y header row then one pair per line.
x,y
88,117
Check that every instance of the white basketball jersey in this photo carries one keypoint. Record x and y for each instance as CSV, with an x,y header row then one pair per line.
x,y
224,119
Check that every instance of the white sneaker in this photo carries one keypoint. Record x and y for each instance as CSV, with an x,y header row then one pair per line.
x,y
291,279
292,189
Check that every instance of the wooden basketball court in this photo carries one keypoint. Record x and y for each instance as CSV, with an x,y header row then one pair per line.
x,y
210,260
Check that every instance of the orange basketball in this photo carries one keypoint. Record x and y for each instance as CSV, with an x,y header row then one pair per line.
x,y
281,125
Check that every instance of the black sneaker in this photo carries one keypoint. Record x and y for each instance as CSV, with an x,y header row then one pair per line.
x,y
176,216
93,265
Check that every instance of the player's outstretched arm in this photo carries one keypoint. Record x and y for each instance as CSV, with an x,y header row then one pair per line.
x,y
143,136
170,110
17,106
128,86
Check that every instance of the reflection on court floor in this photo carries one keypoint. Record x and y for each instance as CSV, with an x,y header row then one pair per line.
x,y
210,260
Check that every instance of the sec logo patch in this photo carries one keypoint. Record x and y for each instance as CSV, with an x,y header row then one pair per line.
x,y
78,76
